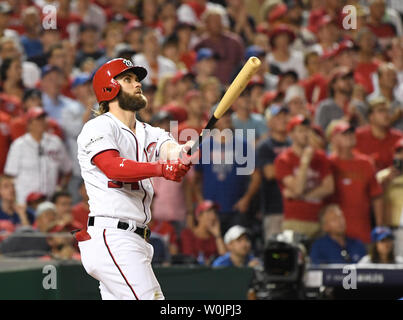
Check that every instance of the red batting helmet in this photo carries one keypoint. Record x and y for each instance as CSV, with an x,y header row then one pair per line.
x,y
105,86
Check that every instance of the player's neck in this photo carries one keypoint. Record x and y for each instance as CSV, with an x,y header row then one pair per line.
x,y
127,117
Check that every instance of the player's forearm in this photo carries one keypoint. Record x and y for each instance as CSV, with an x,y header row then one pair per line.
x,y
125,170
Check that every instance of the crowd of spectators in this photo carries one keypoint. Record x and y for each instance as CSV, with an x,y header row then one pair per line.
x,y
325,109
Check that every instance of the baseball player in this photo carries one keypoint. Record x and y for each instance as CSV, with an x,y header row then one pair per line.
x,y
118,155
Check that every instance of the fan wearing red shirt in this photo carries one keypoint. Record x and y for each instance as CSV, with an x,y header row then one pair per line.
x,y
168,233
305,180
366,63
356,184
378,139
382,30
204,241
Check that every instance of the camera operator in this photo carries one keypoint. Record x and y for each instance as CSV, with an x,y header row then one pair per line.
x,y
391,179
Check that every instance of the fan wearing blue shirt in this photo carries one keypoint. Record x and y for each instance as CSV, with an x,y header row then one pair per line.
x,y
335,247
239,246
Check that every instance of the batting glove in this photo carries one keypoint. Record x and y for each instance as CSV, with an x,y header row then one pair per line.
x,y
174,170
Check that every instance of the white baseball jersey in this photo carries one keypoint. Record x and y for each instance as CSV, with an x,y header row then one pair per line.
x,y
36,166
126,201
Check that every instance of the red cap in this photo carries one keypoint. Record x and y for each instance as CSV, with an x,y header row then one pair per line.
x,y
35,113
179,75
277,12
256,80
296,121
269,97
328,54
132,24
280,29
399,144
324,21
179,113
341,127
344,45
34,196
204,206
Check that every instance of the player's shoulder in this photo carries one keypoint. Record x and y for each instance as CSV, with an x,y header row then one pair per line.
x,y
100,122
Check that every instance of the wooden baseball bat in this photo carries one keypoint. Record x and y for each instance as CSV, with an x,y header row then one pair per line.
x,y
234,90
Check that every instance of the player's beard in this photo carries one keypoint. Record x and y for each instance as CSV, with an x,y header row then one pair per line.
x,y
131,102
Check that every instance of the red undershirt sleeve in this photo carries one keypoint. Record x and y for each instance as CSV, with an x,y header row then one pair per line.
x,y
124,170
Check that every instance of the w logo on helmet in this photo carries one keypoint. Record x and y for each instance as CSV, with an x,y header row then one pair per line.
x,y
128,63
170,168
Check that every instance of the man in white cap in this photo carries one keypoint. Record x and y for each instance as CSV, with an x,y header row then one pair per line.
x,y
239,249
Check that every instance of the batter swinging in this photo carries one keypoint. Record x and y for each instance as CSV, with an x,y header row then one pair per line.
x,y
117,155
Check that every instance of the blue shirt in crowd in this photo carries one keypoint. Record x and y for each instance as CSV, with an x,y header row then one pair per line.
x,y
222,182
225,261
325,251
14,218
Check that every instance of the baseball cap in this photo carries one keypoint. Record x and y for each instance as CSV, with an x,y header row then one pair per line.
x,y
270,96
254,51
80,80
344,45
376,102
34,196
380,233
294,91
43,207
277,11
31,92
274,110
234,233
281,29
48,69
341,127
181,74
184,25
324,21
35,113
341,72
132,25
296,121
256,80
206,205
178,113
205,53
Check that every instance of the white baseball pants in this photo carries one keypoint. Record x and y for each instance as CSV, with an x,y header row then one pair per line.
x,y
121,261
